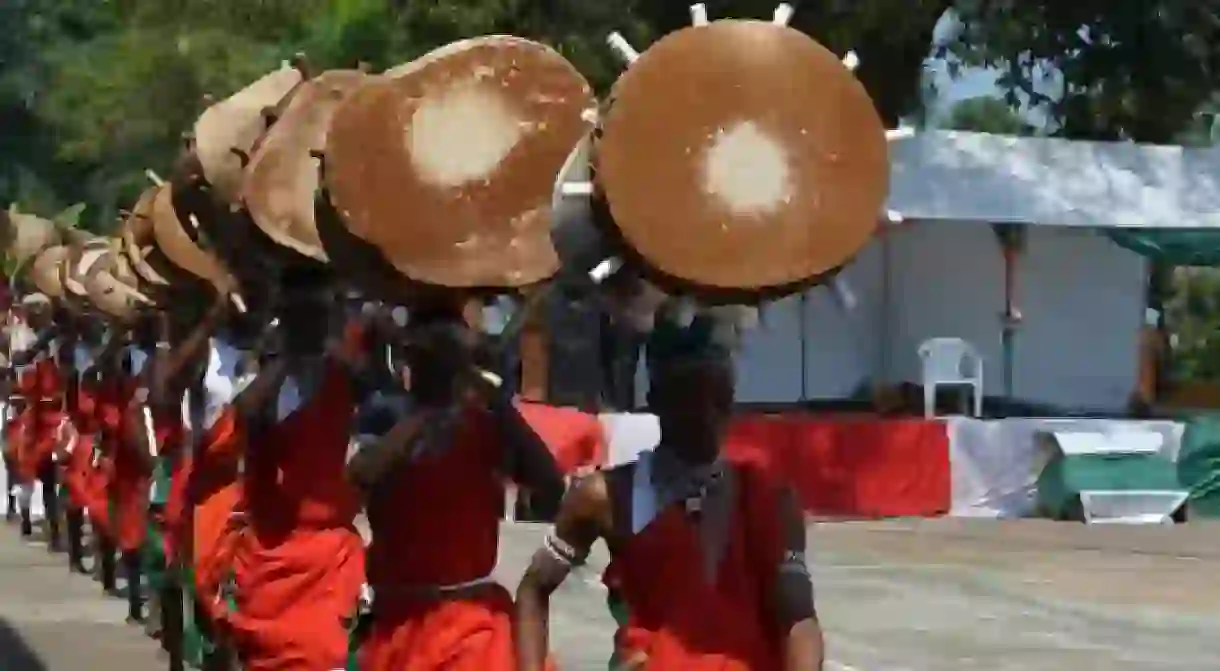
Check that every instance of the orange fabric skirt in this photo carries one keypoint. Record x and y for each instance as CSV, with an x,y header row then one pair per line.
x,y
295,597
469,634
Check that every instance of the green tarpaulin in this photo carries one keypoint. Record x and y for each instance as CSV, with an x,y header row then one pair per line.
x,y
1066,476
1199,465
1179,247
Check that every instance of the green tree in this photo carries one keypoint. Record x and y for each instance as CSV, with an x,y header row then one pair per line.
x,y
986,114
1127,70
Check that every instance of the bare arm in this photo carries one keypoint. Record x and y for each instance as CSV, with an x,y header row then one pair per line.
x,y
166,379
804,645
581,521
374,461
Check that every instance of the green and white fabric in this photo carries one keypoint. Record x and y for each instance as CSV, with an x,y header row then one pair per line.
x,y
1117,477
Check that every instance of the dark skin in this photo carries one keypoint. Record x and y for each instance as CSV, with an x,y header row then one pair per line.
x,y
693,405
443,359
300,345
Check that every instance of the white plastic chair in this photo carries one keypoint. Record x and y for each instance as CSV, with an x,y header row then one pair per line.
x,y
950,362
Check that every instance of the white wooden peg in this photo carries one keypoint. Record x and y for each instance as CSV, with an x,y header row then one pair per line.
x,y
844,296
154,178
576,189
589,116
622,47
783,14
894,217
698,14
899,133
602,271
851,61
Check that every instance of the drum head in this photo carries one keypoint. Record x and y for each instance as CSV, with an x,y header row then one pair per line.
x,y
282,176
24,235
237,122
741,156
177,246
45,271
446,164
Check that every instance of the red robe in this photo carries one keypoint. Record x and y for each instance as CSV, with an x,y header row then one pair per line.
x,y
85,419
170,435
575,438
439,525
679,618
43,389
204,493
127,484
299,563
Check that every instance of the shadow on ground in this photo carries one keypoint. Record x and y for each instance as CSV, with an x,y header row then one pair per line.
x,y
15,653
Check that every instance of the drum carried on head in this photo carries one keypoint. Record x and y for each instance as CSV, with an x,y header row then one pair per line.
x,y
443,168
736,161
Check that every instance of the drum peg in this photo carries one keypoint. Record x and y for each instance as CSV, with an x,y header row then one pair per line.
x,y
698,14
843,294
590,116
900,133
576,189
851,61
241,155
622,47
602,271
783,14
154,178
894,217
300,63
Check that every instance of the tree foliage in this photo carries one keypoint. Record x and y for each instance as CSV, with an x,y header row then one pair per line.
x,y
93,92
987,114
1104,70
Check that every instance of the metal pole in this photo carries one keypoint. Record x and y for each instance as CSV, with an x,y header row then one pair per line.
x,y
802,327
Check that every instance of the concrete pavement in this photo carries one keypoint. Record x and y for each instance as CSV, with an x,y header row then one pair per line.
x,y
934,595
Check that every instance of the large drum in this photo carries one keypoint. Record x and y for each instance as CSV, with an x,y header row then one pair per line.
x,y
96,275
445,166
282,177
45,271
180,248
735,161
207,180
23,236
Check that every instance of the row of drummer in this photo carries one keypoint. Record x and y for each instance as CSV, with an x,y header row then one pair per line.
x,y
221,466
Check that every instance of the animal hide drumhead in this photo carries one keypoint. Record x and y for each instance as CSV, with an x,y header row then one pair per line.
x,y
446,164
236,123
741,156
115,290
45,271
282,176
139,243
24,235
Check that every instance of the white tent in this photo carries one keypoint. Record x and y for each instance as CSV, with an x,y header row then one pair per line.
x,y
940,273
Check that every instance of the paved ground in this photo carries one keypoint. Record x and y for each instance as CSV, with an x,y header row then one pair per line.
x,y
942,595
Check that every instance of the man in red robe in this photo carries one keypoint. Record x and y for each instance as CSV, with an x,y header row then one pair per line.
x,y
707,558
434,486
298,561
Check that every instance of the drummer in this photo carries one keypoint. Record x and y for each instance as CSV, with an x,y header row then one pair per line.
x,y
40,384
298,561
696,544
434,490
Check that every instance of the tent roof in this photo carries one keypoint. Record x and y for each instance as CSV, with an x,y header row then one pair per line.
x,y
977,177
